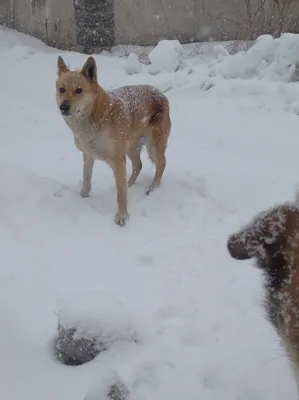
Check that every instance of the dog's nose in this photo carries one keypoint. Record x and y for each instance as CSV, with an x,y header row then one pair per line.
x,y
65,107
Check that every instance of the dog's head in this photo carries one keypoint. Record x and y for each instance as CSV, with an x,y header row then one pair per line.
x,y
76,90
269,238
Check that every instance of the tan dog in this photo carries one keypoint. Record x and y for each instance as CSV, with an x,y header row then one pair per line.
x,y
272,238
110,125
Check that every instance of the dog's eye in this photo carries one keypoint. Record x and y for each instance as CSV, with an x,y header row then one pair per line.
x,y
78,90
62,90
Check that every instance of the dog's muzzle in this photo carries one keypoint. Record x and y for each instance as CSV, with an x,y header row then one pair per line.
x,y
65,108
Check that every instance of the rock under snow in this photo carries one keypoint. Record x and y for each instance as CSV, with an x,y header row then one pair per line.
x,y
167,56
133,65
294,71
91,322
109,387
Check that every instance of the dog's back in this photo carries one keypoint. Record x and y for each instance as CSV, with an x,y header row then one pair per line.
x,y
144,102
273,240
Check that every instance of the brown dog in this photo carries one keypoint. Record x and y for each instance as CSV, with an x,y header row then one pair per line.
x,y
272,238
108,126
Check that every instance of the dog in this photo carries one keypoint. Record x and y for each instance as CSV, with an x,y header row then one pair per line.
x,y
272,239
109,126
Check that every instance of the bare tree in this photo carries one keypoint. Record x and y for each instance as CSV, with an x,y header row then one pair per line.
x,y
264,17
285,21
255,18
269,16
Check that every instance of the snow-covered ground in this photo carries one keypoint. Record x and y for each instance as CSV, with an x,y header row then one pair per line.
x,y
233,150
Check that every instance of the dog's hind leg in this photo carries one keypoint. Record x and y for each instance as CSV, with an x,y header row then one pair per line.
x,y
156,147
134,156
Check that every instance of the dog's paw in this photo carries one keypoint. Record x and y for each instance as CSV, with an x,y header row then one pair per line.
x,y
84,193
121,219
131,182
150,189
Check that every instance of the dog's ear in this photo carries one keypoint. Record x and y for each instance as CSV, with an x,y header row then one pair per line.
x,y
260,237
89,69
61,66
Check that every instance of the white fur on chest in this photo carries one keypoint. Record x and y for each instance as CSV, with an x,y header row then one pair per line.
x,y
88,139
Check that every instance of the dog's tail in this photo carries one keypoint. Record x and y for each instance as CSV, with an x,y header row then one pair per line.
x,y
156,118
159,109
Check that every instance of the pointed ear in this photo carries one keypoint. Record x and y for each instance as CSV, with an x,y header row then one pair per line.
x,y
61,66
89,69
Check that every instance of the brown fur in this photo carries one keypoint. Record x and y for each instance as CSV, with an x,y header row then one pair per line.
x,y
273,240
108,126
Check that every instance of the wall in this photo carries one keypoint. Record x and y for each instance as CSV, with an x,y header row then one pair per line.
x,y
147,21
88,25
150,20
45,19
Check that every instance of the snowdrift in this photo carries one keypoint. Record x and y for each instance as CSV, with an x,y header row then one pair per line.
x,y
268,58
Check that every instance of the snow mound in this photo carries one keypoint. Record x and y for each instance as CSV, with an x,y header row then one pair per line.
x,y
219,50
109,387
133,65
269,59
10,38
167,56
91,322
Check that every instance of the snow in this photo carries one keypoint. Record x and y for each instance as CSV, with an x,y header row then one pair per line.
x,y
98,315
268,58
101,389
133,65
233,151
167,56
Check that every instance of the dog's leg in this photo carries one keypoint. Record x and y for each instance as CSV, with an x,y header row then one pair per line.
x,y
134,156
88,163
119,170
156,147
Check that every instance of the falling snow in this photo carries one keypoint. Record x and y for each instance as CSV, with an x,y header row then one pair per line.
x,y
233,151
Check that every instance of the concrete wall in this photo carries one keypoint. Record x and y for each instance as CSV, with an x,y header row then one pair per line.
x,y
45,19
148,21
88,25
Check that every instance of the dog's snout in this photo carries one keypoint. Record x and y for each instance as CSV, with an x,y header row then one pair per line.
x,y
65,107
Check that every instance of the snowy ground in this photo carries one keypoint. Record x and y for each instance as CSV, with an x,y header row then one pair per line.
x,y
233,151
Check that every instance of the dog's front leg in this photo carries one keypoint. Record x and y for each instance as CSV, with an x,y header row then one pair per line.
x,y
88,163
119,170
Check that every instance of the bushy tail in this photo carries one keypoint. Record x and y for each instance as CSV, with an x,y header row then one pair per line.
x,y
156,118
